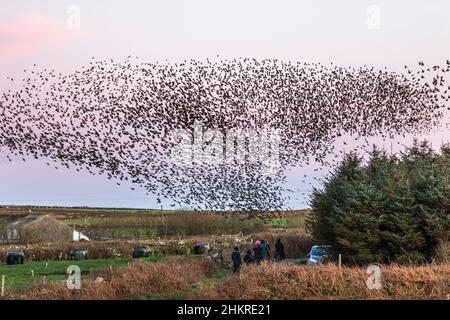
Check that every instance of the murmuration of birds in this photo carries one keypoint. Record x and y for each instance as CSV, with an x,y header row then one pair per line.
x,y
118,119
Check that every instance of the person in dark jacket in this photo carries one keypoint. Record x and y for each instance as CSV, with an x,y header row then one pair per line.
x,y
249,258
265,250
279,250
257,252
236,259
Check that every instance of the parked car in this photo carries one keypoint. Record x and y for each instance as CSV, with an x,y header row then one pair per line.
x,y
78,254
201,248
319,254
141,251
15,257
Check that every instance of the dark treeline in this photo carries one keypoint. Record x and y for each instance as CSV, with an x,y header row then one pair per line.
x,y
388,208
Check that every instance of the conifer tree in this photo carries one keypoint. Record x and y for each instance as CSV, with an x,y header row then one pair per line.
x,y
388,209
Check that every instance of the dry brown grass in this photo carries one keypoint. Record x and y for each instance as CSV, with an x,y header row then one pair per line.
x,y
113,249
270,281
282,281
163,225
128,282
97,250
443,251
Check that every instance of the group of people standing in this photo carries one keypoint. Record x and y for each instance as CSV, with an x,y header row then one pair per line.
x,y
261,252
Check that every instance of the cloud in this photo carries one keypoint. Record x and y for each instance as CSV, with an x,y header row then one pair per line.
x,y
30,32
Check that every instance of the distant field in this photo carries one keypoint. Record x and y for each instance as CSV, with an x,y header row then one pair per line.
x,y
172,224
294,222
78,212
104,223
128,224
73,212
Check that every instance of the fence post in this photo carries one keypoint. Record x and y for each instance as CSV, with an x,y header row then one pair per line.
x,y
2,293
340,261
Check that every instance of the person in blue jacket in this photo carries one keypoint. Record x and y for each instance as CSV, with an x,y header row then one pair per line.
x,y
265,250
236,259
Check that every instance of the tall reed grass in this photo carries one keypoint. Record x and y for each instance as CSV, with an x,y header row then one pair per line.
x,y
283,281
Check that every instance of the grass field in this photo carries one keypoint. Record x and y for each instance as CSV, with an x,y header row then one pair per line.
x,y
18,276
294,222
139,280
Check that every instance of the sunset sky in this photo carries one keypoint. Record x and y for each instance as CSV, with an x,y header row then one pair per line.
x,y
375,33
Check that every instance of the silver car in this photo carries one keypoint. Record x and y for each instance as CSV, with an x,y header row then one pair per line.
x,y
319,254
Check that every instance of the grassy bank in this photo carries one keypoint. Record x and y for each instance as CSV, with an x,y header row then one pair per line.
x,y
281,281
200,278
137,280
18,276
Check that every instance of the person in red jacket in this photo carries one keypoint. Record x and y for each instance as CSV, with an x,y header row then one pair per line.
x,y
257,252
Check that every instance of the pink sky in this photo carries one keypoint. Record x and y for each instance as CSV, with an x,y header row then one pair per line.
x,y
28,33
